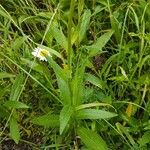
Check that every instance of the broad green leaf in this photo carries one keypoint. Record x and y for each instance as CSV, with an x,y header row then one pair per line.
x,y
99,44
85,21
6,75
94,114
65,116
48,120
94,80
16,88
91,139
15,104
14,130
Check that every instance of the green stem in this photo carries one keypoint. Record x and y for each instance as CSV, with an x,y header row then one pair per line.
x,y
72,5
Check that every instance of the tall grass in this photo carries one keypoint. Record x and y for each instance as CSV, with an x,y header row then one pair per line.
x,y
93,92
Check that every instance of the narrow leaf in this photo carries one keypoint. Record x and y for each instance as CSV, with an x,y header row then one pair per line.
x,y
91,139
94,114
99,44
84,24
59,36
15,104
65,115
62,80
14,130
48,120
94,80
77,85
16,88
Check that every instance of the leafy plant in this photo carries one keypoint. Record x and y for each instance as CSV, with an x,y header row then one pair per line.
x,y
93,92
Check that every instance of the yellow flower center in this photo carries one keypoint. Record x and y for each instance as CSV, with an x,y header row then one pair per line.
x,y
44,52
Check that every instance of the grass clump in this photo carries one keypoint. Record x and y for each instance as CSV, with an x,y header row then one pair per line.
x,y
90,87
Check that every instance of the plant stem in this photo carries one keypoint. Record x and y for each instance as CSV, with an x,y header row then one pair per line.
x,y
72,5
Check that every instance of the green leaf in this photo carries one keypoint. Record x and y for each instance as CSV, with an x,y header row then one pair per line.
x,y
124,130
99,44
65,116
116,25
59,36
98,9
94,80
15,104
136,18
6,75
18,43
145,139
94,114
64,91
62,80
57,69
85,21
35,66
91,139
77,84
14,130
16,88
48,120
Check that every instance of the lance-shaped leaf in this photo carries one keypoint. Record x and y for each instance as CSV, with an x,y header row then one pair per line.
x,y
15,104
65,116
94,114
99,44
14,130
91,139
47,120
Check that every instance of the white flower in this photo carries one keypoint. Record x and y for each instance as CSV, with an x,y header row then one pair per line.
x,y
41,53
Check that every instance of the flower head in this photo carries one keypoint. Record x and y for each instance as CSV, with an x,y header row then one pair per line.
x,y
41,53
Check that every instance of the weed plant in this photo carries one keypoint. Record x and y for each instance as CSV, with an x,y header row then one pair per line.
x,y
92,89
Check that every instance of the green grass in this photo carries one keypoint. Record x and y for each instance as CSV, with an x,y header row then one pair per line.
x,y
93,93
